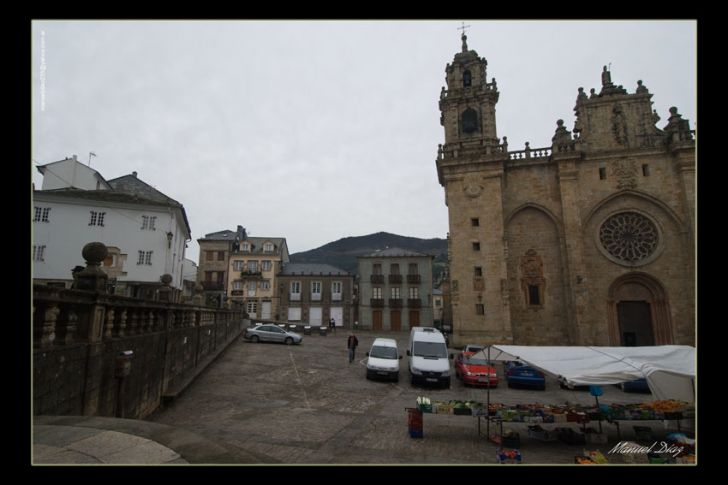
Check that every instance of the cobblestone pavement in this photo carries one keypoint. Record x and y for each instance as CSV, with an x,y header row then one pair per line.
x,y
306,404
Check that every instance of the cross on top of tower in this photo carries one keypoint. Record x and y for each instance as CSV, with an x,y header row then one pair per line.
x,y
464,37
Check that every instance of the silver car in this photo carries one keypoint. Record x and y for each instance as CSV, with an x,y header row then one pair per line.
x,y
271,333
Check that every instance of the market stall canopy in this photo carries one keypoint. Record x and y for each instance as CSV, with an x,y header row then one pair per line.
x,y
669,369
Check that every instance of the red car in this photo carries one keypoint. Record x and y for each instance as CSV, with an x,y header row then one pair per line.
x,y
475,371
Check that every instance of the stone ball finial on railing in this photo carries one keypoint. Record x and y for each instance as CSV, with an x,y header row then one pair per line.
x,y
92,277
166,291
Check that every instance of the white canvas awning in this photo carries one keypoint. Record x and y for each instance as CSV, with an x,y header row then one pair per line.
x,y
669,369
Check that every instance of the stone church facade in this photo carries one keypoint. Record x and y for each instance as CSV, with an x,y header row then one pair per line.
x,y
590,241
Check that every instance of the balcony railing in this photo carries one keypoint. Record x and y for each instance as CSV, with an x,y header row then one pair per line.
x,y
213,286
376,302
413,279
395,302
414,302
377,279
395,279
251,275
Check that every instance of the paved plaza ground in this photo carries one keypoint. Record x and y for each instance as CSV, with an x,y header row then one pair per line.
x,y
305,404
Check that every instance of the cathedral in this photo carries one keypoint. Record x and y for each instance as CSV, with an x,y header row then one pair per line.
x,y
590,241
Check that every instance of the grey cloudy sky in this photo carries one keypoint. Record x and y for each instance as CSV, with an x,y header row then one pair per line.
x,y
318,130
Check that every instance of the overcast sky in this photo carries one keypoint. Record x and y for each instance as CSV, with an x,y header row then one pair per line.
x,y
318,130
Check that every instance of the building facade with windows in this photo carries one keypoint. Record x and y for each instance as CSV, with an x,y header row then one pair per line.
x,y
313,294
242,270
67,218
395,290
589,241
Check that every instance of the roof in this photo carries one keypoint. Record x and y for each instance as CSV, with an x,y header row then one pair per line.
x,y
311,269
428,334
436,292
385,342
102,195
131,184
395,253
42,169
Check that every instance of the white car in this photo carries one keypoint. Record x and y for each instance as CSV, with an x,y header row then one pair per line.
x,y
383,361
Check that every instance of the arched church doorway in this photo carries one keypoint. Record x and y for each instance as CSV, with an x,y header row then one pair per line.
x,y
639,312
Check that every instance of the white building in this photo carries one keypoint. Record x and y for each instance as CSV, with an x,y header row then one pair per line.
x,y
146,231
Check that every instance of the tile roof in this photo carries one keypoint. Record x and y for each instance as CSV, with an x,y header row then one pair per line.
x,y
312,269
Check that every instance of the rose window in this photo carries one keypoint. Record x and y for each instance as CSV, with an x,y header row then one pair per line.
x,y
629,237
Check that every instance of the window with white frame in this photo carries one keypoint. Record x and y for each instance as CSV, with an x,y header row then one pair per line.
x,y
377,292
238,265
395,293
97,218
295,291
237,285
336,290
414,293
315,291
38,253
266,265
268,247
252,307
252,266
145,257
41,214
265,285
245,246
252,286
148,223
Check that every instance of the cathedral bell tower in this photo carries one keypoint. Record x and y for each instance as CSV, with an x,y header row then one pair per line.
x,y
470,166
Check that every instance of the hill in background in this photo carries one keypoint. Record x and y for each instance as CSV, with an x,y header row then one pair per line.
x,y
343,253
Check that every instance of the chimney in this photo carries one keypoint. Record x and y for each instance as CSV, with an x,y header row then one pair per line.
x,y
241,233
74,158
133,174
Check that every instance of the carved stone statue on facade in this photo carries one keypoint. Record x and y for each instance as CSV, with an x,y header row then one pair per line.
x,y
641,89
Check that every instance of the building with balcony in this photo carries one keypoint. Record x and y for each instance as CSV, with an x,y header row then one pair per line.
x,y
395,290
313,294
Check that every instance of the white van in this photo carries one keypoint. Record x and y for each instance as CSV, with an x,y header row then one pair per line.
x,y
383,361
428,359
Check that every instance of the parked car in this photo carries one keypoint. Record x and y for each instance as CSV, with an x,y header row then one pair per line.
x,y
637,385
568,385
473,348
271,333
520,374
475,371
383,361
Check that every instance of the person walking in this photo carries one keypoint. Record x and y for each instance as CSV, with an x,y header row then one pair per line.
x,y
332,325
351,344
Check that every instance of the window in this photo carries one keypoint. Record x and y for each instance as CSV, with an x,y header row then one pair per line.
x,y
377,292
38,253
245,246
221,255
252,286
252,266
377,269
315,290
469,121
210,255
479,309
395,293
238,265
478,271
97,218
476,246
268,247
148,223
413,269
474,222
646,170
602,173
394,268
145,257
41,214
336,290
414,293
467,79
438,302
266,265
252,307
237,285
534,297
295,291
265,285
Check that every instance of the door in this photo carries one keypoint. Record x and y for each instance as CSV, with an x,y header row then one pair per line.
x,y
414,318
315,316
376,319
337,313
265,310
635,323
396,320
